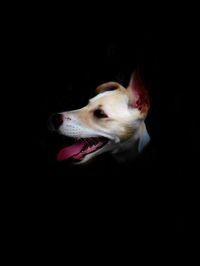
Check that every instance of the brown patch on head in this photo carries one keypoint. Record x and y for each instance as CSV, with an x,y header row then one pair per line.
x,y
128,133
109,86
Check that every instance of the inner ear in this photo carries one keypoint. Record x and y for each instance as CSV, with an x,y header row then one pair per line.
x,y
137,93
108,86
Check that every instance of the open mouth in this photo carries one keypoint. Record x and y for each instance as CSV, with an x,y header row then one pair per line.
x,y
80,148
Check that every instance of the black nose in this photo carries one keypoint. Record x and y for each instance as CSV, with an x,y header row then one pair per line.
x,y
57,120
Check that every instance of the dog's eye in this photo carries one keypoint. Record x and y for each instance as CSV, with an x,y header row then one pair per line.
x,y
100,113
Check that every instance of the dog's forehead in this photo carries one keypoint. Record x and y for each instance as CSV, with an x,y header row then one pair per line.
x,y
109,97
113,103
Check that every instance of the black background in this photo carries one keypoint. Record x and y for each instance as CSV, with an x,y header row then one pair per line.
x,y
63,62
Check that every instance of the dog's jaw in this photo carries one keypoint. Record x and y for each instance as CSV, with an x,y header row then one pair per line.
x,y
92,145
90,156
123,150
120,149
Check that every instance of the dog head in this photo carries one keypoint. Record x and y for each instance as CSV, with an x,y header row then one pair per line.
x,y
114,116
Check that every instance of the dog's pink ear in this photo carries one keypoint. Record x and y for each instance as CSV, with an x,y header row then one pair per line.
x,y
137,93
109,86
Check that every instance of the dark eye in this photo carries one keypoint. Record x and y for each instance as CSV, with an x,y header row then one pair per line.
x,y
99,113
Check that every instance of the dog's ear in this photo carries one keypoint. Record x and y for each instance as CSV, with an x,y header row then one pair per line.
x,y
109,86
137,93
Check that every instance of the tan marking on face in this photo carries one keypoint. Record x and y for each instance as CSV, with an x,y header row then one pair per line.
x,y
108,86
120,116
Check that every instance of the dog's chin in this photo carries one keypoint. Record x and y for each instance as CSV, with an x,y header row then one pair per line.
x,y
83,150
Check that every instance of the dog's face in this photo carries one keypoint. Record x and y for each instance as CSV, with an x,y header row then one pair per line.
x,y
113,116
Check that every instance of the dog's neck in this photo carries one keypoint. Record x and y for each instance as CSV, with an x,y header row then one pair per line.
x,y
128,150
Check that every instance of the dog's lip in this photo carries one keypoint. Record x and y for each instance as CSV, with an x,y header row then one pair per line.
x,y
81,147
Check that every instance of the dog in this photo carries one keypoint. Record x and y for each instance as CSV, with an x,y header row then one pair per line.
x,y
112,121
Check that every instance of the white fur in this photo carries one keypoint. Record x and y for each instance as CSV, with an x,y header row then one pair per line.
x,y
100,95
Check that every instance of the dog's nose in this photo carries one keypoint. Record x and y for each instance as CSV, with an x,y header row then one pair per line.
x,y
57,120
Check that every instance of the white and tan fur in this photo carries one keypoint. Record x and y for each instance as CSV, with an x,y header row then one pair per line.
x,y
123,123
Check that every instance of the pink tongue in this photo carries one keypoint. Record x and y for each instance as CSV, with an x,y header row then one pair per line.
x,y
70,151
